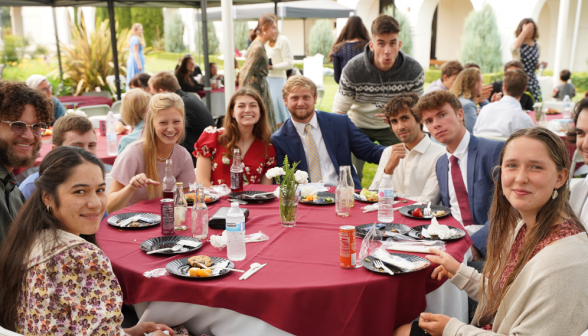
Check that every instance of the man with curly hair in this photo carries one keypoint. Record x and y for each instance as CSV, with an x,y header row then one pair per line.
x,y
24,116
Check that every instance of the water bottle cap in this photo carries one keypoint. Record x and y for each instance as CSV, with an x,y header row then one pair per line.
x,y
234,205
385,176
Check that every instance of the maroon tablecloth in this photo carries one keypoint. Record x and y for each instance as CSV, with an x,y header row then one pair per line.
x,y
84,101
101,150
571,147
302,290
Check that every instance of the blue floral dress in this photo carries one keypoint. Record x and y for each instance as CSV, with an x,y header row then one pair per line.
x,y
132,66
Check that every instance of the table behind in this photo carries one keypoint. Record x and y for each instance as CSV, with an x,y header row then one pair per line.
x,y
302,290
84,101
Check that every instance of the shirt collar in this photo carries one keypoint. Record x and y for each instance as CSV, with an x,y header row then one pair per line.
x,y
300,126
510,100
462,149
422,146
4,174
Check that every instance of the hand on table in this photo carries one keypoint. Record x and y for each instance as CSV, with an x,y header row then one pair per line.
x,y
398,153
141,181
433,324
447,265
149,327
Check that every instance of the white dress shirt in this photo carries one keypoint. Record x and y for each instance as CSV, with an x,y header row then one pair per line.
x,y
579,200
330,176
462,158
414,178
502,118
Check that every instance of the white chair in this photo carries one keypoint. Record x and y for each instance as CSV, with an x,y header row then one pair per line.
x,y
112,86
104,94
115,108
503,139
95,110
4,332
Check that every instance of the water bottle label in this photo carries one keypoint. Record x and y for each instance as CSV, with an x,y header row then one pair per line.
x,y
111,136
386,192
236,227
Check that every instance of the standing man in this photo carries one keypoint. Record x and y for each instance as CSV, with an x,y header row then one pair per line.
x,y
465,172
579,192
372,78
198,117
24,116
320,141
411,163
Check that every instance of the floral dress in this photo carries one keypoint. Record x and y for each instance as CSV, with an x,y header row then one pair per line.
x,y
256,161
530,58
253,74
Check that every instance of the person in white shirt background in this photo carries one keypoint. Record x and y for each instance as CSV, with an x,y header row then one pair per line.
x,y
411,163
279,52
506,116
579,192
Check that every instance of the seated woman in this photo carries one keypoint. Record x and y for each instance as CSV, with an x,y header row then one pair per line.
x,y
138,170
468,88
132,111
533,282
54,279
184,74
41,83
245,127
140,81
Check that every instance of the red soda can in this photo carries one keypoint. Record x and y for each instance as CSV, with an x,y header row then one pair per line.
x,y
167,216
103,127
347,246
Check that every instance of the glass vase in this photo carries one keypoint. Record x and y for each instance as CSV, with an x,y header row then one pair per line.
x,y
288,208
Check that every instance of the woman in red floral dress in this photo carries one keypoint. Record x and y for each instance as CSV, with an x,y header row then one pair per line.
x,y
245,127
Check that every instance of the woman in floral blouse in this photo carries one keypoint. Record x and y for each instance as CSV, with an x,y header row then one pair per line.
x,y
52,281
245,127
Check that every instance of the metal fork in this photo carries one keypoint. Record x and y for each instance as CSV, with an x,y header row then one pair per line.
x,y
257,195
175,248
379,264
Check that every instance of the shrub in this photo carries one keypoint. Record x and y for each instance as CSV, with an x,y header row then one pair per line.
x,y
122,16
213,43
432,75
14,48
158,42
152,21
241,35
580,80
40,50
174,34
481,40
320,39
405,31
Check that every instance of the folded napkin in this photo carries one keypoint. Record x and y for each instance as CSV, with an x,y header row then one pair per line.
x,y
375,207
219,267
414,246
221,241
156,273
442,231
398,261
306,191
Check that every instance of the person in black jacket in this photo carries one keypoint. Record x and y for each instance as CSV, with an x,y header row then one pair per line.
x,y
198,117
526,100
185,75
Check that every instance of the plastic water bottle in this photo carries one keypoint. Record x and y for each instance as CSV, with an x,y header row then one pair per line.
x,y
111,140
235,233
386,200
567,111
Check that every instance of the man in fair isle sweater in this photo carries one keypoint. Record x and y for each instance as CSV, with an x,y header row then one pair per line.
x,y
371,79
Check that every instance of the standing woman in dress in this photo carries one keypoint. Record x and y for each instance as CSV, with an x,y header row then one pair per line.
x,y
350,42
256,67
279,52
527,50
136,60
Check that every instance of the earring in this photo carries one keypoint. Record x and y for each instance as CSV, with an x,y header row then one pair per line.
x,y
554,195
49,210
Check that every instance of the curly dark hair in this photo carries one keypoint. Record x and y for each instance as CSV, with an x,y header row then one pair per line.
x,y
402,102
15,95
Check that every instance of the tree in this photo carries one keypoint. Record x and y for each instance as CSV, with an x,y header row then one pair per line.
x,y
174,34
405,31
101,14
320,39
213,43
481,41
241,34
122,16
151,19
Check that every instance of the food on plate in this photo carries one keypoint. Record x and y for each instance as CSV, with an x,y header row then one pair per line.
x,y
48,132
328,200
190,197
552,111
200,259
311,198
207,199
371,196
199,272
135,224
417,212
440,213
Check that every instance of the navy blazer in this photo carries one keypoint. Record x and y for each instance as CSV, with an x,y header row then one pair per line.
x,y
341,138
483,156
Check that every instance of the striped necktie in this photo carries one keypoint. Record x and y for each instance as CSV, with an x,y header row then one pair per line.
x,y
314,165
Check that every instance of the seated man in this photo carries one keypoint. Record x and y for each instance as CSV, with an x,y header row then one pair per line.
x,y
449,72
198,117
526,99
24,114
504,117
465,172
579,192
416,150
320,141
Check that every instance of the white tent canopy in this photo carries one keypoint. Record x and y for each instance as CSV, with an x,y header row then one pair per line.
x,y
288,10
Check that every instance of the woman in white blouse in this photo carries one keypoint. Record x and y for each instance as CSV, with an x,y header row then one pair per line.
x,y
280,54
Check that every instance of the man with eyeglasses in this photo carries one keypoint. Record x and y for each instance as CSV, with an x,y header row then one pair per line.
x,y
24,116
41,82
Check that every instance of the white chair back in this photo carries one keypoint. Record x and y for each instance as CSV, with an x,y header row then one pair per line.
x,y
95,110
4,332
104,94
503,139
112,86
115,108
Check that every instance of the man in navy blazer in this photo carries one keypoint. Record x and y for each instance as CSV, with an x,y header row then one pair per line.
x,y
476,158
335,136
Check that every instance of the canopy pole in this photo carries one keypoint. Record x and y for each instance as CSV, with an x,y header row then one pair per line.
x,y
58,92
304,36
228,49
207,87
114,45
276,7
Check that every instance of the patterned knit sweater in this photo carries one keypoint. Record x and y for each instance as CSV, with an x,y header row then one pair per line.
x,y
364,90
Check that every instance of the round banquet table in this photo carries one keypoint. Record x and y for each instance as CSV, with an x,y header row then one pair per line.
x,y
84,101
302,290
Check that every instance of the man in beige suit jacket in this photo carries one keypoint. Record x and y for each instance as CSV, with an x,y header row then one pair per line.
x,y
579,192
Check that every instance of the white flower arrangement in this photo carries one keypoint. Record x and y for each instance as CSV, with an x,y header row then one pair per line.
x,y
301,177
274,172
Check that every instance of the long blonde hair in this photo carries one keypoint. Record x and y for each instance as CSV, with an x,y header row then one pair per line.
x,y
465,83
134,106
160,101
134,32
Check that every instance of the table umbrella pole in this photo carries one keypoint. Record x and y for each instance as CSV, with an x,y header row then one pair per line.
x,y
207,87
114,45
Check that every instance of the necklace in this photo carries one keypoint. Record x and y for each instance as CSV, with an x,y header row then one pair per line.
x,y
169,155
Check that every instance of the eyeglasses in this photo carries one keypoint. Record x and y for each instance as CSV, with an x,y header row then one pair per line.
x,y
19,127
47,89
